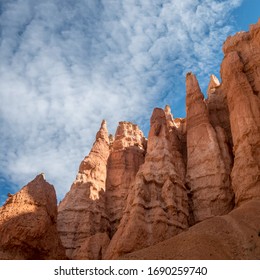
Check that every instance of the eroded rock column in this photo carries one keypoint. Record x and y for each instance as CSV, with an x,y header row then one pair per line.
x,y
157,204
126,155
208,158
240,73
82,220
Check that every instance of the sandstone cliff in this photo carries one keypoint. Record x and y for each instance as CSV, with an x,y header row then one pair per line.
x,y
82,219
28,224
157,205
191,190
89,214
209,161
126,155
240,72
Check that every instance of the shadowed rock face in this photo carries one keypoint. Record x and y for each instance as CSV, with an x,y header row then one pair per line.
x,y
209,160
126,155
28,224
177,187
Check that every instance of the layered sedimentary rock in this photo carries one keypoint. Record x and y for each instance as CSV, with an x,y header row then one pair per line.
x,y
131,193
91,211
28,224
126,155
184,175
157,205
240,72
209,162
82,216
234,236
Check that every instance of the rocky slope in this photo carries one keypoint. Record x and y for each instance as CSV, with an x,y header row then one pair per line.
x,y
232,236
191,190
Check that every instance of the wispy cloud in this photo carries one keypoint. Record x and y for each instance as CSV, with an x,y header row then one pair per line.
x,y
66,65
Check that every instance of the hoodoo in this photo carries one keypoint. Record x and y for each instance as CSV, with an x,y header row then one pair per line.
x,y
208,162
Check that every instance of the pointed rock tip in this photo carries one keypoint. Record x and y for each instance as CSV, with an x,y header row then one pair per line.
x,y
103,124
102,132
191,81
168,113
213,84
40,176
193,91
214,79
190,75
167,109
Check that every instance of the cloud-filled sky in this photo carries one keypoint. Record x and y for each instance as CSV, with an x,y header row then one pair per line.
x,y
66,65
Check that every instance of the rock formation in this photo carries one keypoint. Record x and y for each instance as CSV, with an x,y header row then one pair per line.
x,y
191,190
157,206
209,162
82,218
28,224
90,212
240,72
218,110
126,155
234,236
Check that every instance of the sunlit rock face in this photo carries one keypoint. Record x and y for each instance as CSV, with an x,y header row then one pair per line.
x,y
82,216
240,72
28,224
91,211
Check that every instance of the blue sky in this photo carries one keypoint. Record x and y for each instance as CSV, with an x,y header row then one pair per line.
x,y
66,65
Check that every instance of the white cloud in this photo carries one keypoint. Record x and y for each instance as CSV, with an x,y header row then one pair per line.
x,y
66,65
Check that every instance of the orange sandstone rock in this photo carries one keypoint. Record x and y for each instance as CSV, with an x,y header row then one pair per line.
x,y
81,214
209,162
28,224
131,193
157,204
240,72
126,155
91,211
234,236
